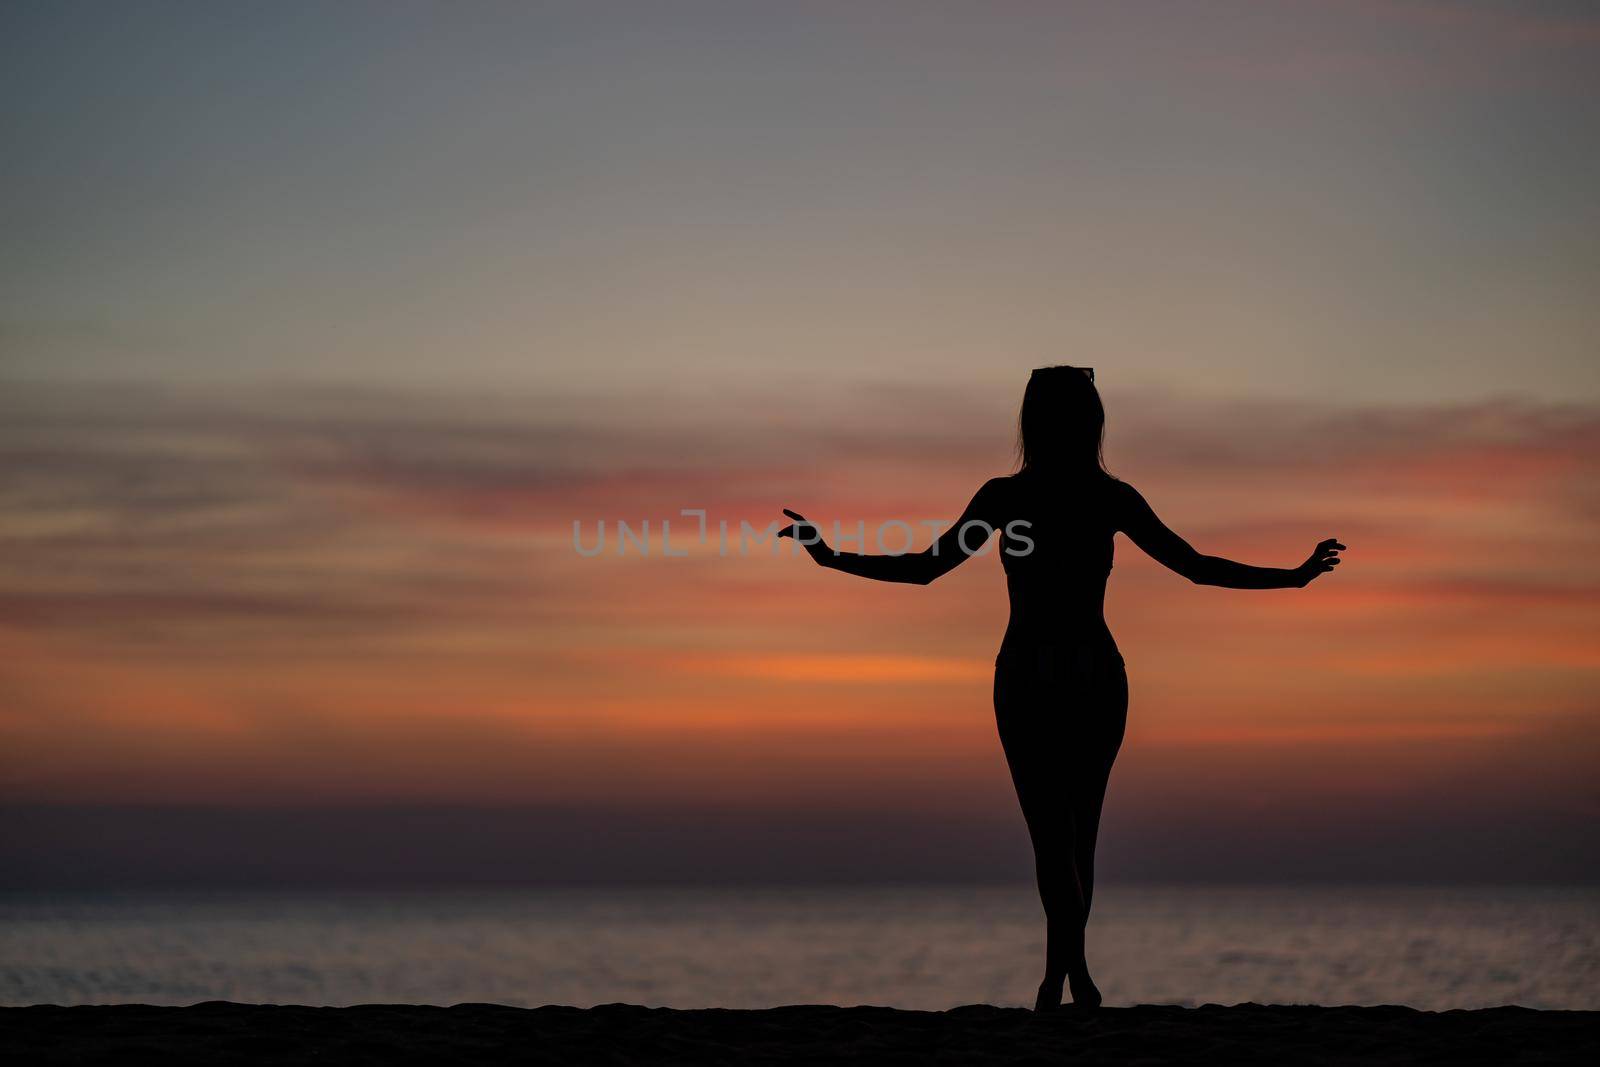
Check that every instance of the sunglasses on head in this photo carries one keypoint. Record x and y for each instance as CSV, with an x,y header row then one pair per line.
x,y
1062,366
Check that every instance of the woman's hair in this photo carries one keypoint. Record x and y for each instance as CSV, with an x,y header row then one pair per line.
x,y
1062,423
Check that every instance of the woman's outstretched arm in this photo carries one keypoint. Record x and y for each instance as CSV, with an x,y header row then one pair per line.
x,y
948,551
1139,522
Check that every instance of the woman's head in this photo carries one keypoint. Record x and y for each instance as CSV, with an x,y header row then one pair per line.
x,y
1062,422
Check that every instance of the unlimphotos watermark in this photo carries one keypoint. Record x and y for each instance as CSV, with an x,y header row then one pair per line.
x,y
892,537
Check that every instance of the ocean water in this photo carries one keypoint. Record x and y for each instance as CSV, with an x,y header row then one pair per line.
x,y
914,947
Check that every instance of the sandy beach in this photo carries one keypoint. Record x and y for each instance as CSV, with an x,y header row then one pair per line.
x,y
223,1033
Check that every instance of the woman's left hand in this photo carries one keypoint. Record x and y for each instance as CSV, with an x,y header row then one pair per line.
x,y
808,535
1323,559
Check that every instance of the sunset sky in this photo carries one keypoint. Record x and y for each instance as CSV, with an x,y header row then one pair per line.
x,y
320,326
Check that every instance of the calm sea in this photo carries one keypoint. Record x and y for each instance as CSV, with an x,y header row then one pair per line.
x,y
914,947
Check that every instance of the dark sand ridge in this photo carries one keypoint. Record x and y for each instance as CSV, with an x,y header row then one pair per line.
x,y
223,1033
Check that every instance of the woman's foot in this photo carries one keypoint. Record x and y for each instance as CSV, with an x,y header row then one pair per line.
x,y
1085,994
1049,998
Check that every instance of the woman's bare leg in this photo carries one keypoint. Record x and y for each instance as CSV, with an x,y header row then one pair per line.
x,y
1086,823
1051,826
1064,824
1088,801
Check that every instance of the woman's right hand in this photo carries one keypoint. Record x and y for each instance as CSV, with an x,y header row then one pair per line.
x,y
809,536
1323,559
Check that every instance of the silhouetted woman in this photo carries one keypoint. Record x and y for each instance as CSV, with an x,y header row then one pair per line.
x,y
1060,690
